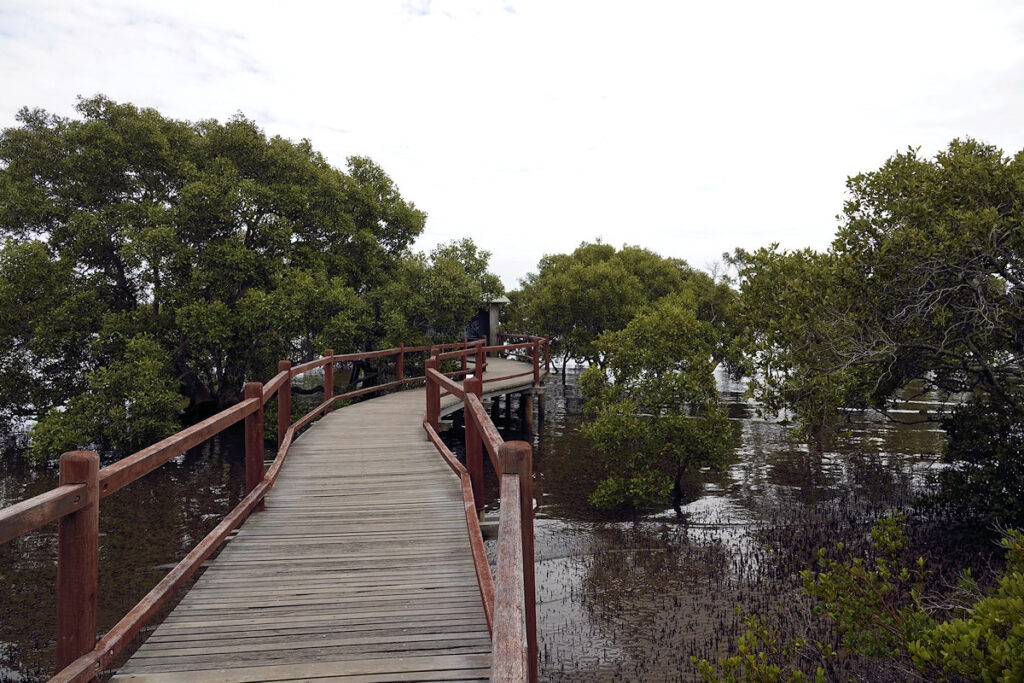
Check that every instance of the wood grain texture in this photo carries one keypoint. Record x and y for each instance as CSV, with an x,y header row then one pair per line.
x,y
359,569
510,655
78,560
28,515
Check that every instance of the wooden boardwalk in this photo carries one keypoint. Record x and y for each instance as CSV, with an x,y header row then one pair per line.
x,y
359,569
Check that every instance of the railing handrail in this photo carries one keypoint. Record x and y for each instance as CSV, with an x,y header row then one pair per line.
x,y
545,340
510,600
69,500
469,350
452,387
32,513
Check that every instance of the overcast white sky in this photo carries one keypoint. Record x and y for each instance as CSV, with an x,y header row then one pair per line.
x,y
687,128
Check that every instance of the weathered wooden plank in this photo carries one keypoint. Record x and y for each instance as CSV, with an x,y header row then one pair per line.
x,y
448,675
384,616
319,670
322,641
338,654
271,632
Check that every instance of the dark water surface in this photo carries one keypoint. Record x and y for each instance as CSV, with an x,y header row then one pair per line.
x,y
619,598
624,598
145,528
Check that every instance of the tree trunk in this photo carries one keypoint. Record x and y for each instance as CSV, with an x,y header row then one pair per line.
x,y
677,496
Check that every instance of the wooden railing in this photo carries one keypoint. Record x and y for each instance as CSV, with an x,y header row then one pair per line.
x,y
74,504
510,601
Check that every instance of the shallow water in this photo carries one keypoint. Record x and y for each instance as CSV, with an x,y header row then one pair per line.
x,y
619,598
624,598
145,529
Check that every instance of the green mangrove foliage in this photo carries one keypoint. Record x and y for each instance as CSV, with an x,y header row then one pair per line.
x,y
652,406
652,330
884,612
922,289
576,297
145,260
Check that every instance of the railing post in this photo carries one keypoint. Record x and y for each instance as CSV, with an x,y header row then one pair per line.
x,y
284,402
400,373
517,458
529,579
254,441
547,353
464,346
328,377
536,363
481,362
433,393
78,559
474,445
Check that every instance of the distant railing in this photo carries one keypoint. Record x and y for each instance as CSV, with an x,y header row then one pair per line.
x,y
74,504
510,600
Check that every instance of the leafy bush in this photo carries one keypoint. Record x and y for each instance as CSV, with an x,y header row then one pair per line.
x,y
882,612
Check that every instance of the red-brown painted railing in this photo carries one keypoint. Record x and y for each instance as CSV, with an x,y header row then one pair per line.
x,y
74,504
510,600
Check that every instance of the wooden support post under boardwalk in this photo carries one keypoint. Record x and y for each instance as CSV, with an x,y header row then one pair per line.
x,y
536,364
328,377
433,395
508,412
474,445
400,372
284,402
78,560
254,442
526,412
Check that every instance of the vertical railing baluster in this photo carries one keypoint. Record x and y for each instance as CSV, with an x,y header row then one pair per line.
x,y
254,441
400,372
536,363
433,392
329,377
284,402
78,560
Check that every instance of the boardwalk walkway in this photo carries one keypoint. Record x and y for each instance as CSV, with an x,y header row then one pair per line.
x,y
358,570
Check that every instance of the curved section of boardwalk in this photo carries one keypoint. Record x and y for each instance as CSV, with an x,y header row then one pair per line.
x,y
359,569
